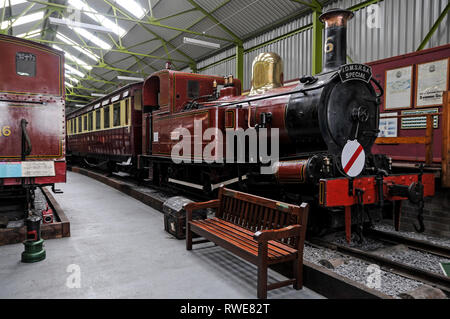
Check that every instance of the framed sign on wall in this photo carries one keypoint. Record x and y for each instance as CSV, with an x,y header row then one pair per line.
x,y
388,126
398,88
414,123
431,82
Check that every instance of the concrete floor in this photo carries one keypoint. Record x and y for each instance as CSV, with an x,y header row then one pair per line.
x,y
122,251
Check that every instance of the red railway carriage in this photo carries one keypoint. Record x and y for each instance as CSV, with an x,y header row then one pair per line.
x,y
108,130
32,115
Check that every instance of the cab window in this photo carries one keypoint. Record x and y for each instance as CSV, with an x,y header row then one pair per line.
x,y
25,64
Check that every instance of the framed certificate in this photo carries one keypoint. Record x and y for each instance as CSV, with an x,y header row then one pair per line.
x,y
431,82
398,88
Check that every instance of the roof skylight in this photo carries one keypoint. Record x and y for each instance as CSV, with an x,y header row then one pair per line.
x,y
65,39
24,19
72,70
74,58
133,7
5,3
89,36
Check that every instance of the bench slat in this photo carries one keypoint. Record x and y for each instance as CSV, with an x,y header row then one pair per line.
x,y
249,233
245,240
274,251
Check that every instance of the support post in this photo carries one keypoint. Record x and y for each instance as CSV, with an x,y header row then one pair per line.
x,y
397,214
317,46
240,62
446,140
429,140
194,67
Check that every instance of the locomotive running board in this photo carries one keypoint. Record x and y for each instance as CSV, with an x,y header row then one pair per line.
x,y
228,182
213,186
176,181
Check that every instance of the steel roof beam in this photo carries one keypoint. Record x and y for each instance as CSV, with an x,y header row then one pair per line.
x,y
236,38
192,64
127,17
434,27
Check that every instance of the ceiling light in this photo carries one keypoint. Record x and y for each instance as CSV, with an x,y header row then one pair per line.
x,y
80,105
133,7
24,19
201,43
75,24
94,15
98,94
129,78
68,84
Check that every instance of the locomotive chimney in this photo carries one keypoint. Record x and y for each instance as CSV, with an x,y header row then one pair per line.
x,y
335,37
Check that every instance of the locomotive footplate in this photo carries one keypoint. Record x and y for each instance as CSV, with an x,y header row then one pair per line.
x,y
342,192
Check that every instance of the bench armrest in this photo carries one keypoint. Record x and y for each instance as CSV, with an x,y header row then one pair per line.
x,y
274,234
209,204
202,205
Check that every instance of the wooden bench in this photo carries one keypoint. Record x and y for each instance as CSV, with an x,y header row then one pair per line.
x,y
261,231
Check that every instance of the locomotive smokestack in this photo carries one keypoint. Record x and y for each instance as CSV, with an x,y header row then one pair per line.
x,y
335,37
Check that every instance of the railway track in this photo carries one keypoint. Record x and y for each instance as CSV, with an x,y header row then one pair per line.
x,y
390,265
412,243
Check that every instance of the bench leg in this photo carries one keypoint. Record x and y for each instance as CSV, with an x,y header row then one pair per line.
x,y
188,236
262,270
298,273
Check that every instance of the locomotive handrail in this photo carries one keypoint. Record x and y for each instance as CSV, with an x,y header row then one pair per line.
x,y
279,94
25,140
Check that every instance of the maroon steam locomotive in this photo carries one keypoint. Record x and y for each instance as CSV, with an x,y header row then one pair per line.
x,y
198,131
32,119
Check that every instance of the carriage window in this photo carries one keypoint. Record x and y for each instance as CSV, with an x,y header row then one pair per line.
x,y
97,120
193,89
85,123
116,115
106,117
25,64
90,121
126,111
80,123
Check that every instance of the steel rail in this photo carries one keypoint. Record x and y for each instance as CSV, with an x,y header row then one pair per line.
x,y
412,243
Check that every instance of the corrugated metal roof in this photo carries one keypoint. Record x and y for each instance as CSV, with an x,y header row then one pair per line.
x,y
247,17
404,25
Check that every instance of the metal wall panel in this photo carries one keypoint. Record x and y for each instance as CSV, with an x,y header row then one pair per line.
x,y
404,24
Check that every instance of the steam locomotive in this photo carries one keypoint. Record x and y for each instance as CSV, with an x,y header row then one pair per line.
x,y
309,141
